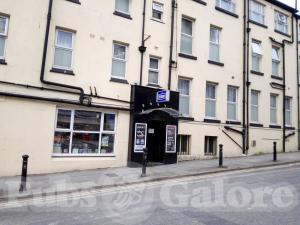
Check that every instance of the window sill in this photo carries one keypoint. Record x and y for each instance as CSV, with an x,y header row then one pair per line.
x,y
226,12
276,77
258,24
157,20
256,73
118,80
187,118
233,122
183,55
82,156
124,15
256,125
279,32
289,127
2,62
210,154
200,1
153,85
275,126
67,72
215,63
75,1
212,121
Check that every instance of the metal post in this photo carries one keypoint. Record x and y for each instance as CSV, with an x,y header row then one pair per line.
x,y
274,152
220,155
145,158
24,173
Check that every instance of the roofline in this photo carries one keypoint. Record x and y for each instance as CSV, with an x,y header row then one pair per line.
x,y
283,6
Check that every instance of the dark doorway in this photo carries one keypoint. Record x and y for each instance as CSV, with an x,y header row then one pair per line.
x,y
156,140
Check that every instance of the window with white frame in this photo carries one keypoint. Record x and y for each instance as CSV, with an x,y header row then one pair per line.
x,y
153,70
157,11
256,55
281,22
257,12
3,35
228,5
63,55
214,44
232,103
288,111
186,45
119,60
273,109
184,96
254,106
184,144
210,101
122,6
275,61
79,132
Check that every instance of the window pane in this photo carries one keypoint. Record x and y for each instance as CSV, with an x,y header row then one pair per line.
x,y
85,143
156,15
109,122
254,98
255,62
210,108
275,68
107,143
154,63
254,114
287,103
273,116
214,52
63,119
273,101
119,51
122,5
231,111
153,77
184,87
64,39
184,105
187,27
256,48
210,91
231,95
275,54
61,142
214,35
288,118
2,46
87,121
63,58
3,25
186,44
118,68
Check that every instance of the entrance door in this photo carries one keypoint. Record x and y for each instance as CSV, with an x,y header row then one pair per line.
x,y
156,140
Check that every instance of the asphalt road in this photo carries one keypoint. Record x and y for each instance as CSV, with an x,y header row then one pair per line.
x,y
257,197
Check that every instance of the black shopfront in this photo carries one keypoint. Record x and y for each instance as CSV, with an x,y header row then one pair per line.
x,y
153,125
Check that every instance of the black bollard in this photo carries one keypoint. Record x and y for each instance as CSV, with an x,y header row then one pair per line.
x,y
220,155
274,152
24,173
145,158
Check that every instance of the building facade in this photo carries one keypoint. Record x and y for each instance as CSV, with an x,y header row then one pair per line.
x,y
86,85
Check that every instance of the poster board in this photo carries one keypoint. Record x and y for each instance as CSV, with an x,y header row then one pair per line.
x,y
140,137
171,136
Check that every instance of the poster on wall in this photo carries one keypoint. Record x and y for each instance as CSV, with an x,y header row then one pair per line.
x,y
140,136
171,134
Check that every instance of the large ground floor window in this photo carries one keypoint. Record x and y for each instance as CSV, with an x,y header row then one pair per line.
x,y
79,132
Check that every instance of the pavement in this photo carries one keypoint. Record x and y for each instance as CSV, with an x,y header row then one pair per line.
x,y
77,181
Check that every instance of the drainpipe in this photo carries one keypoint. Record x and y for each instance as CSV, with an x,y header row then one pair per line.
x,y
244,77
298,95
174,5
142,48
42,75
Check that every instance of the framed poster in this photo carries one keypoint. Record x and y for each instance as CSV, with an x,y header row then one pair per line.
x,y
171,135
140,137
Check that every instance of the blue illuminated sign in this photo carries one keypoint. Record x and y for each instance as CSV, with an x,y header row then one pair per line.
x,y
162,96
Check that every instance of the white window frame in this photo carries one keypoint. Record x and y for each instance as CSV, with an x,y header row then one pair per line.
x,y
256,53
186,96
154,70
233,103
214,100
276,60
217,43
56,46
288,111
120,60
161,11
232,3
120,11
255,106
279,23
71,131
272,108
262,14
4,35
187,35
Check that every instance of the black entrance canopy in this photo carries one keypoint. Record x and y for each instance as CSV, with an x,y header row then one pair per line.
x,y
171,112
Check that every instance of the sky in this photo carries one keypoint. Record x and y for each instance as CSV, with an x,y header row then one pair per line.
x,y
291,3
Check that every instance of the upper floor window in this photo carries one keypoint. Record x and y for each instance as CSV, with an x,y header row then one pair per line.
x,y
3,35
288,111
256,55
63,55
257,12
184,96
210,100
214,44
122,6
228,5
275,61
232,103
273,109
281,22
254,106
153,70
119,60
186,36
157,11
